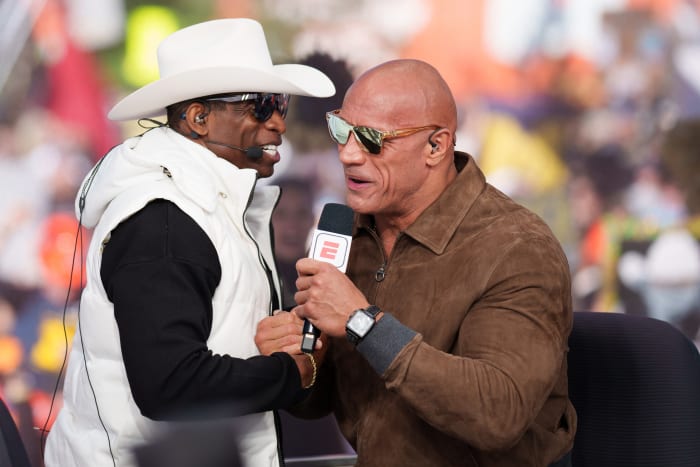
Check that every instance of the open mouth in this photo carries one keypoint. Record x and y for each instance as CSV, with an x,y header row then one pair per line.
x,y
357,181
270,149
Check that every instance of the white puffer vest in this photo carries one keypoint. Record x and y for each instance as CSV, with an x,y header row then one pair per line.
x,y
219,197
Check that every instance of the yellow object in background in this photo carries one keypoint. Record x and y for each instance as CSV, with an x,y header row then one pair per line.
x,y
533,167
49,352
146,27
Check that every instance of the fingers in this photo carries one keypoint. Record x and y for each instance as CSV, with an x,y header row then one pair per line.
x,y
306,267
310,267
279,333
290,344
279,325
282,318
301,297
301,310
318,278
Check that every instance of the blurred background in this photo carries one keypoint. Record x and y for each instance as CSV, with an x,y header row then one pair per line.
x,y
586,111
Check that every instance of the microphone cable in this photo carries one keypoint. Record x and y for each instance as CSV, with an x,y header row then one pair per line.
x,y
78,242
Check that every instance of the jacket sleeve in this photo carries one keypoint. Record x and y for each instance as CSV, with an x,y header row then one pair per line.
x,y
508,355
160,270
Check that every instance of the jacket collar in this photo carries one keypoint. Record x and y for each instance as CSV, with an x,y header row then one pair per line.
x,y
162,153
437,224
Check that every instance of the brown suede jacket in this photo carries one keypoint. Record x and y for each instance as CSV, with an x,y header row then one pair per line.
x,y
468,365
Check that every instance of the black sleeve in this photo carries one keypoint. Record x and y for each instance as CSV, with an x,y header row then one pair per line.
x,y
160,270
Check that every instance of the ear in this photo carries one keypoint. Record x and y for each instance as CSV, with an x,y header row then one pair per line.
x,y
440,143
195,120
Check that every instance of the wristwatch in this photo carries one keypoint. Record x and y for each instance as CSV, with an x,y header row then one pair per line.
x,y
360,323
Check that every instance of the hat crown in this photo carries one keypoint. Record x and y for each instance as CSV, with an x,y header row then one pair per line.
x,y
215,57
214,44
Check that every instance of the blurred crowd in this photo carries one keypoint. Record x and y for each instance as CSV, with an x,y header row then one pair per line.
x,y
586,111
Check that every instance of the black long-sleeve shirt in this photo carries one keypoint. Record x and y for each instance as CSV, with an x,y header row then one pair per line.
x,y
160,270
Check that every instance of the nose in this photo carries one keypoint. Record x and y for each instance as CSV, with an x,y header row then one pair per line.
x,y
351,153
276,123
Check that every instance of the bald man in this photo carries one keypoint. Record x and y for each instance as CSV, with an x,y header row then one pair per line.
x,y
446,343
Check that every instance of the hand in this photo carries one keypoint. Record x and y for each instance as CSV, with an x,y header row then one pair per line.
x,y
280,332
326,297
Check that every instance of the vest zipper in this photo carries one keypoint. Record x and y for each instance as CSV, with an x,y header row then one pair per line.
x,y
274,298
274,304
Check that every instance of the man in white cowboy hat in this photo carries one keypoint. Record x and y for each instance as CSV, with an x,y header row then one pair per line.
x,y
180,267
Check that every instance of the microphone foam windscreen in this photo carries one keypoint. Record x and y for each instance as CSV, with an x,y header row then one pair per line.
x,y
336,218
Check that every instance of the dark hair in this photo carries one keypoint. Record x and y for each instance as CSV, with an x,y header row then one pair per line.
x,y
608,169
307,131
312,110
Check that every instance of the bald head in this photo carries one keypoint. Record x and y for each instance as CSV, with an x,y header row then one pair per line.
x,y
411,91
411,105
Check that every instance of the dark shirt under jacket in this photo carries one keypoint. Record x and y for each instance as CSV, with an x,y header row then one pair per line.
x,y
161,270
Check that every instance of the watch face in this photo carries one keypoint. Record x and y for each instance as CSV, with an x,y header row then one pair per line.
x,y
360,323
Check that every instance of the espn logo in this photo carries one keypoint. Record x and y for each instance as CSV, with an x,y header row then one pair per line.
x,y
331,248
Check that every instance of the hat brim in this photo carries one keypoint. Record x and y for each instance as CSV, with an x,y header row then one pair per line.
x,y
151,100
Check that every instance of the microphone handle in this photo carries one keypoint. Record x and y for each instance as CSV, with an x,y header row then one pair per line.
x,y
309,335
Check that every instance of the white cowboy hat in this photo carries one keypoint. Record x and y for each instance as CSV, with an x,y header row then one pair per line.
x,y
216,57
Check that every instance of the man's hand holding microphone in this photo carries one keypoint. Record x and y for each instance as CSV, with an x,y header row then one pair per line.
x,y
325,296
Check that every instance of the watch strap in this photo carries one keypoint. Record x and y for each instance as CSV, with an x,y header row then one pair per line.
x,y
372,310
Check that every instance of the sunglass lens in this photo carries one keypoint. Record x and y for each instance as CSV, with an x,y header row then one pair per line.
x,y
266,105
339,129
282,102
370,139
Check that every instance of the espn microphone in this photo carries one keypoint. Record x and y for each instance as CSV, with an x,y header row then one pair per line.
x,y
253,152
330,244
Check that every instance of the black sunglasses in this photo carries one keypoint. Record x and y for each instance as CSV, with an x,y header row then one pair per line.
x,y
369,139
265,104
